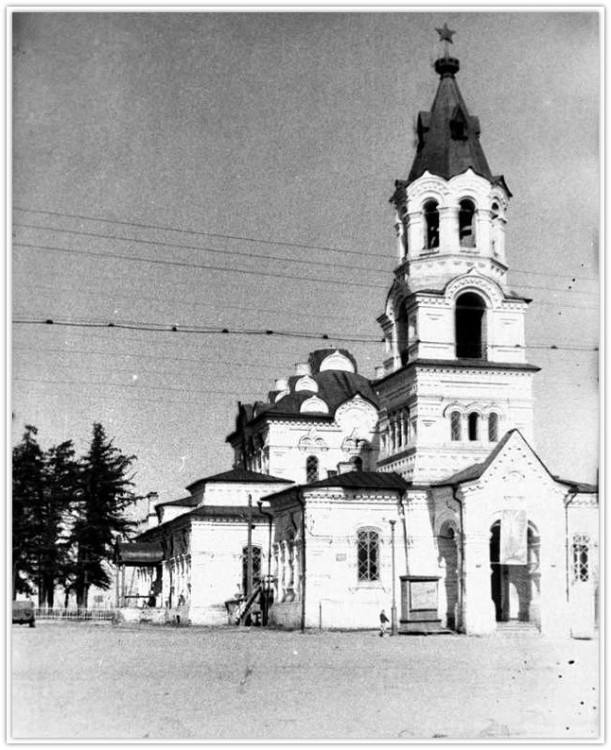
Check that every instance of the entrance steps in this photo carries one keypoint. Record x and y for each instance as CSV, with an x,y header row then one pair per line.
x,y
512,627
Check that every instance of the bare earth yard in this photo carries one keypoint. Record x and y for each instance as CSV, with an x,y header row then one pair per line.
x,y
87,681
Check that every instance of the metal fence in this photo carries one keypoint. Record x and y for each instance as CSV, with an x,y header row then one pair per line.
x,y
43,613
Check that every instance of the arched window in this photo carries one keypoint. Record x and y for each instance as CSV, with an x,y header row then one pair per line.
x,y
311,469
469,326
473,426
493,427
466,223
456,425
431,219
368,555
405,427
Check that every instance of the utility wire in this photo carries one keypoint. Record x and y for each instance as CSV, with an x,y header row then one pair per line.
x,y
238,237
166,328
351,267
187,303
199,248
184,264
225,269
192,231
221,307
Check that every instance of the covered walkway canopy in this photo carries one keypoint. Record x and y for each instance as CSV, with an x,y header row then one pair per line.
x,y
137,554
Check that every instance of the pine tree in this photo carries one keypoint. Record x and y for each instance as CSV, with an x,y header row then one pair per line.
x,y
62,478
105,496
28,496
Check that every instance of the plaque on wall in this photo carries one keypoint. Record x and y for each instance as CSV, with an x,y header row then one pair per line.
x,y
423,595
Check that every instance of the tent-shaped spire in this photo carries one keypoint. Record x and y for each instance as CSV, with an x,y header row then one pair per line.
x,y
448,136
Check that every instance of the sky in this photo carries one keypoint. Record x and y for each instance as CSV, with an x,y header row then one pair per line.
x,y
232,170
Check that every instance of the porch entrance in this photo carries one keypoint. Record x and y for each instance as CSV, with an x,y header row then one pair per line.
x,y
515,588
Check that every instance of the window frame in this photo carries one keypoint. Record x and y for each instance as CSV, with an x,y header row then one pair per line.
x,y
368,540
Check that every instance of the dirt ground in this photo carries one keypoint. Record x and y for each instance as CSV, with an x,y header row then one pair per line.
x,y
94,682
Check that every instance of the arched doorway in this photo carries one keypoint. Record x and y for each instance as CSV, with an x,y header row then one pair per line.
x,y
514,587
448,552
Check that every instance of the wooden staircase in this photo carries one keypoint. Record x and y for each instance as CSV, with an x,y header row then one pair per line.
x,y
245,607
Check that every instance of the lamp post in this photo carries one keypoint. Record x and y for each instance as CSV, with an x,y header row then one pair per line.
x,y
393,609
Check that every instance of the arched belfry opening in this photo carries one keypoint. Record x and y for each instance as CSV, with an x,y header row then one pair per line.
x,y
466,223
515,578
470,326
431,225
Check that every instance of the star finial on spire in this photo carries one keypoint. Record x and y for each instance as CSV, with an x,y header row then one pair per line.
x,y
445,34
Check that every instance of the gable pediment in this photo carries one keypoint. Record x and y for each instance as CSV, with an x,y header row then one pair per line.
x,y
516,467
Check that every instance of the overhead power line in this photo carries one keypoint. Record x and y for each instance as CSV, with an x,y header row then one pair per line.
x,y
217,251
201,233
184,264
279,243
205,330
224,269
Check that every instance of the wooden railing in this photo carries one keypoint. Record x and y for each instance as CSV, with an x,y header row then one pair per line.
x,y
44,613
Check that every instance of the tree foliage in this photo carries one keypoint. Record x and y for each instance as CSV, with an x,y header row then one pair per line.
x,y
105,496
67,513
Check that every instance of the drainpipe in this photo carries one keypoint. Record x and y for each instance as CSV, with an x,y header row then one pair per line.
x,y
570,496
301,501
270,516
462,554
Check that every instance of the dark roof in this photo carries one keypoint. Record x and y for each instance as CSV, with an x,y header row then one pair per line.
x,y
138,553
187,502
448,136
578,486
238,475
335,387
357,480
235,512
364,480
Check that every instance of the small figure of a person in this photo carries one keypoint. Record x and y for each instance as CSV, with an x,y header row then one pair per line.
x,y
383,623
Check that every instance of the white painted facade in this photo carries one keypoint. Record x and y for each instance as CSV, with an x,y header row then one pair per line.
x,y
438,448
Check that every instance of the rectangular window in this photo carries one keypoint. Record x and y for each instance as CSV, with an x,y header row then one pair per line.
x,y
581,557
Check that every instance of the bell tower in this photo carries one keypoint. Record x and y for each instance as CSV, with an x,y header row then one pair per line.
x,y
454,378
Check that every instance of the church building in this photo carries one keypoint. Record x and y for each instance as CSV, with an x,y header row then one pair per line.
x,y
420,491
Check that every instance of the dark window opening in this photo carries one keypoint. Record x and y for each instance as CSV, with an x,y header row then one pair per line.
x,y
402,334
473,426
469,319
311,469
493,428
466,224
431,217
358,463
456,425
